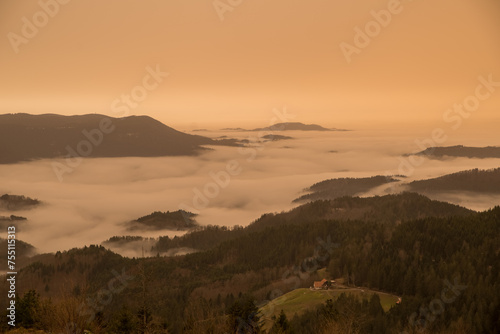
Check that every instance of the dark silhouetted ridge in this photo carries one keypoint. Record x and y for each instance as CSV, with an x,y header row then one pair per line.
x,y
25,137
461,151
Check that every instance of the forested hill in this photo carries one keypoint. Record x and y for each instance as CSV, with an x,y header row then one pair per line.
x,y
389,209
287,126
218,289
334,188
25,137
461,151
383,209
177,220
17,202
475,180
294,126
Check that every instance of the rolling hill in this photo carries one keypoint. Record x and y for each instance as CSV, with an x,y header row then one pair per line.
x,y
25,137
295,126
287,126
461,151
389,209
202,292
177,220
17,202
298,301
468,181
474,180
334,188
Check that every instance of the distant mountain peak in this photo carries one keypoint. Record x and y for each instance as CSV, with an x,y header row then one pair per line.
x,y
295,126
288,126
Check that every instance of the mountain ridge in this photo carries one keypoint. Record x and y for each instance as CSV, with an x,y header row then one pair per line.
x,y
461,151
287,126
26,137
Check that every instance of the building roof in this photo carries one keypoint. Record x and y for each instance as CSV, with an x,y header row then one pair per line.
x,y
320,283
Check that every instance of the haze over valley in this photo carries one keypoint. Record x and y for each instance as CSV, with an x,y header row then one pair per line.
x,y
100,195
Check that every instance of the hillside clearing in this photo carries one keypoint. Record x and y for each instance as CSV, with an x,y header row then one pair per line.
x,y
300,300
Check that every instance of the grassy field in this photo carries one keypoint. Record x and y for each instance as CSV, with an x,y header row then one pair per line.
x,y
300,300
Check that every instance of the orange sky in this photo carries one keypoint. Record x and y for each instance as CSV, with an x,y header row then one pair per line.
x,y
265,54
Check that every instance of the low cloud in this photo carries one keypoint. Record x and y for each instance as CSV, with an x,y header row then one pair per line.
x,y
92,203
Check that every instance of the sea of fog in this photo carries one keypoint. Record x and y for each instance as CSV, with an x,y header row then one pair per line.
x,y
92,204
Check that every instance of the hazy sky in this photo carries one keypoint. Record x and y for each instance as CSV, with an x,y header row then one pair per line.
x,y
264,54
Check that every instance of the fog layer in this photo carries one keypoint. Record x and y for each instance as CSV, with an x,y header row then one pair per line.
x,y
226,186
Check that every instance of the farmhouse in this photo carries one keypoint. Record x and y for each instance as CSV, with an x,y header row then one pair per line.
x,y
318,285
